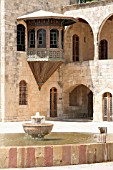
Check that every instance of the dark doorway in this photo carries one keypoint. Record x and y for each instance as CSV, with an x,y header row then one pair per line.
x,y
103,50
90,104
53,102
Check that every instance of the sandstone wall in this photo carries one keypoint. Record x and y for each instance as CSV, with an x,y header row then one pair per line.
x,y
16,66
94,74
98,74
0,57
86,42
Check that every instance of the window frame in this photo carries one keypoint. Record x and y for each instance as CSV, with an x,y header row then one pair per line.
x,y
41,36
31,38
20,37
23,93
76,44
54,38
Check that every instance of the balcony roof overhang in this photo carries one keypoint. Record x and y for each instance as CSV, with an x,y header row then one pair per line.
x,y
67,20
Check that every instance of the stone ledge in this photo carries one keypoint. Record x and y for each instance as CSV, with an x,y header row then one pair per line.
x,y
86,5
56,155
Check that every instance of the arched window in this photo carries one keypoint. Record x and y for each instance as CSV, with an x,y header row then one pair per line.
x,y
20,37
75,48
103,50
107,106
41,35
54,38
31,38
23,93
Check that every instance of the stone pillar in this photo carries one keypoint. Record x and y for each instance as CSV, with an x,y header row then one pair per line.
x,y
97,102
2,61
97,108
96,48
60,105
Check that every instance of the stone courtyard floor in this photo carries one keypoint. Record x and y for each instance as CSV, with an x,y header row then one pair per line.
x,y
66,126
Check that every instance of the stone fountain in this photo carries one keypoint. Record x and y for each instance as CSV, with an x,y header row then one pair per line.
x,y
37,128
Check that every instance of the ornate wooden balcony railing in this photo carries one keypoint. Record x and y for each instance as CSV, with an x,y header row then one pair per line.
x,y
48,54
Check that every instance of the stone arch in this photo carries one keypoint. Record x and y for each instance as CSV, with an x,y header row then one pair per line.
x,y
81,102
69,89
22,22
77,19
86,40
102,24
105,32
105,90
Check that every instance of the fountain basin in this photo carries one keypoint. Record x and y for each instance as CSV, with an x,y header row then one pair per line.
x,y
37,130
59,154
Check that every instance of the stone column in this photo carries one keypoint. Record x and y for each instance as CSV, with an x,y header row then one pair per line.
x,y
2,61
97,102
96,48
97,108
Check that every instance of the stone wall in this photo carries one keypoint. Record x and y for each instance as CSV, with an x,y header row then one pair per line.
x,y
93,74
16,66
0,59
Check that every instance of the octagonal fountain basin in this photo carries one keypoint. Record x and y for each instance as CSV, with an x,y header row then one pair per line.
x,y
37,130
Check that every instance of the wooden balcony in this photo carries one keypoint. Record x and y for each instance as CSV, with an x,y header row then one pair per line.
x,y
42,54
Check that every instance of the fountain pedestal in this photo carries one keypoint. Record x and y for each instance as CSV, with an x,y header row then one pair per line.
x,y
37,118
37,128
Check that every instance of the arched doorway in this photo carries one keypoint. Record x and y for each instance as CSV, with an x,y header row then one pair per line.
x,y
107,106
81,102
53,102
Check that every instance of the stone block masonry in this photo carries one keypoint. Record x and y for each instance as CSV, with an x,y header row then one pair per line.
x,y
56,155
